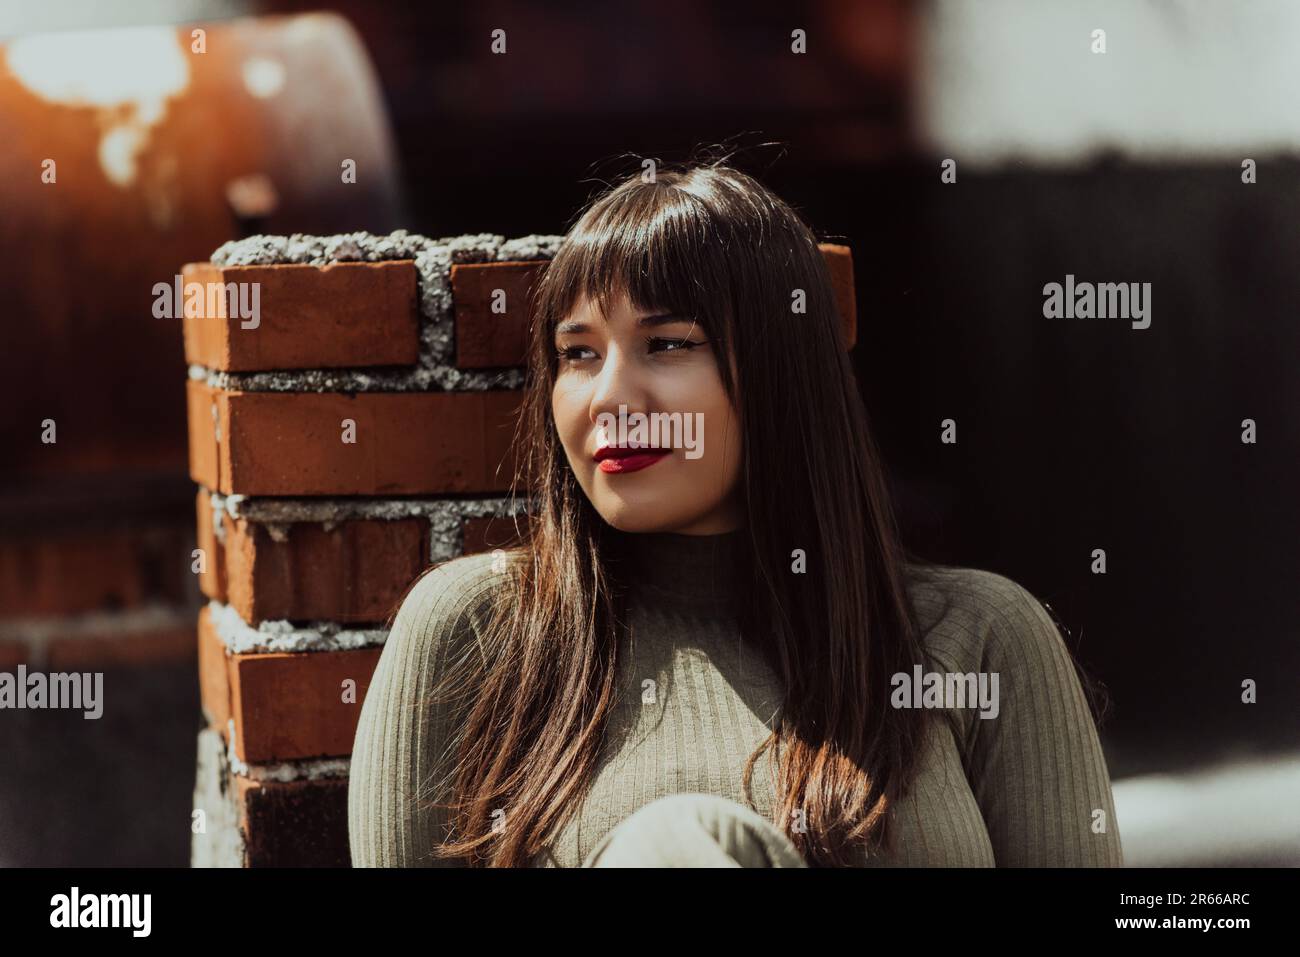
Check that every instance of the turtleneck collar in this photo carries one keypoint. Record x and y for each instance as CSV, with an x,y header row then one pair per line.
x,y
699,570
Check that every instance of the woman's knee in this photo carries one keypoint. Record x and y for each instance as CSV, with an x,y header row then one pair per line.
x,y
711,811
695,830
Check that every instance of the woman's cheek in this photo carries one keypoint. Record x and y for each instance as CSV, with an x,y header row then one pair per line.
x,y
568,415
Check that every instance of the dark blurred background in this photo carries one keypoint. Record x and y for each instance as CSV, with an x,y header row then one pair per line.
x,y
1072,434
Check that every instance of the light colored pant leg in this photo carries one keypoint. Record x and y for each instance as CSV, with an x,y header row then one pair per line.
x,y
694,830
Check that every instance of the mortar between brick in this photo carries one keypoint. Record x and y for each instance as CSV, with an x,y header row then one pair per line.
x,y
284,637
285,771
445,516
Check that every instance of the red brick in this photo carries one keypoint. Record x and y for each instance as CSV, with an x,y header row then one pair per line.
x,y
212,580
355,571
839,259
276,443
485,339
294,823
214,675
289,706
342,315
204,406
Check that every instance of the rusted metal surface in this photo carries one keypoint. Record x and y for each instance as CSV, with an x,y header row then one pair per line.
x,y
128,152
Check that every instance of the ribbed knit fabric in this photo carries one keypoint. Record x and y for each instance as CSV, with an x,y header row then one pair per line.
x,y
1021,789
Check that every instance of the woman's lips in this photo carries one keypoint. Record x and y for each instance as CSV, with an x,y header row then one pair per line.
x,y
615,461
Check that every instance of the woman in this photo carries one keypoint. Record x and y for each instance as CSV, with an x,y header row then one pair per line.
x,y
708,655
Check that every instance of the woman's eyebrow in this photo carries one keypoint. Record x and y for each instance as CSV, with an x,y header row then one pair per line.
x,y
661,319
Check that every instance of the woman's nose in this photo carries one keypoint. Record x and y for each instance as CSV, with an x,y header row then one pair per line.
x,y
617,385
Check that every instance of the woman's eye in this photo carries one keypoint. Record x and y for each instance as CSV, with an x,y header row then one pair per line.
x,y
572,353
660,344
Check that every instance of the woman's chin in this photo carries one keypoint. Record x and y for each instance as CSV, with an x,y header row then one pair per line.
x,y
640,520
633,525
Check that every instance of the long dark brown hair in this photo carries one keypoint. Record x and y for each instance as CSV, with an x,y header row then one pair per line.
x,y
706,240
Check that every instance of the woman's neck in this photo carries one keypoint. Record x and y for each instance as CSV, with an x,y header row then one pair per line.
x,y
697,570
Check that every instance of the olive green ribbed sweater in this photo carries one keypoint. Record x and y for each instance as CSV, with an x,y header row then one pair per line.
x,y
1018,789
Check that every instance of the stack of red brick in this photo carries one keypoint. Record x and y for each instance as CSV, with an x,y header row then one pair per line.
x,y
360,429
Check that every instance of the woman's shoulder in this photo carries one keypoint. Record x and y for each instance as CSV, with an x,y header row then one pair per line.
x,y
457,584
971,618
406,725
451,599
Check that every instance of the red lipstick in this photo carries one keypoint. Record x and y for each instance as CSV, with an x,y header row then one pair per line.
x,y
614,460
